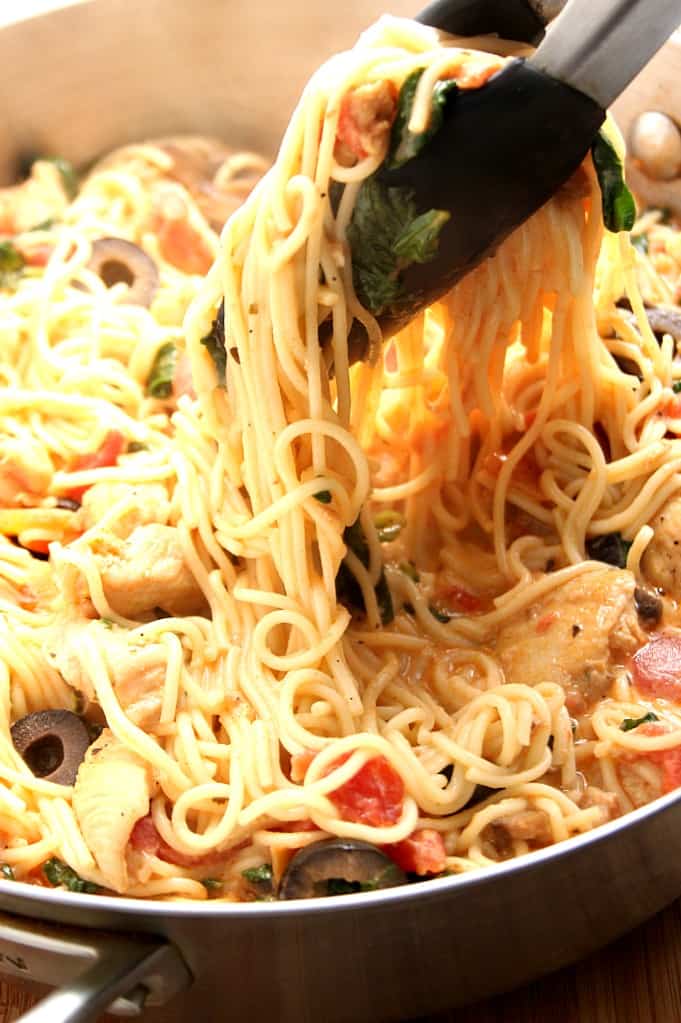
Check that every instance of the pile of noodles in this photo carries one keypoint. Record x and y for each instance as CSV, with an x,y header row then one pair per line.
x,y
520,359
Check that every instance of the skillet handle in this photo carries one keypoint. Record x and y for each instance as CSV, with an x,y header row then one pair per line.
x,y
97,971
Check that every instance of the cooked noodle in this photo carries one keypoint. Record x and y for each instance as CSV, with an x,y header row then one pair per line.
x,y
520,418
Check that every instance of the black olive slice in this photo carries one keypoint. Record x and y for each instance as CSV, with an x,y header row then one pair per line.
x,y
338,866
116,261
648,605
53,744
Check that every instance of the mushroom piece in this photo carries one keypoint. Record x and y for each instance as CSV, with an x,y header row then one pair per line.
x,y
338,866
53,743
664,319
117,261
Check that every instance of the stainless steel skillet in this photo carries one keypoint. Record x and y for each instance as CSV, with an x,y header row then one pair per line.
x,y
80,82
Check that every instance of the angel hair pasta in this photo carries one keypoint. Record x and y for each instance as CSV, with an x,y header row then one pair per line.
x,y
256,592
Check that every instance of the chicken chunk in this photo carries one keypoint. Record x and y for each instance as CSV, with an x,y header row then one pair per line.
x,y
365,121
526,826
112,792
25,471
661,562
137,672
147,570
607,802
575,636
140,505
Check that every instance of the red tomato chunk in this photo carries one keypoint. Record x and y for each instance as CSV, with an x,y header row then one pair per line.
x,y
145,838
373,796
656,667
107,454
668,759
423,852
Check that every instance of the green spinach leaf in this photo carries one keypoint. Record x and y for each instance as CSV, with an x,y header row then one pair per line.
x,y
619,208
160,381
59,874
387,235
611,548
630,723
348,590
215,343
405,144
11,264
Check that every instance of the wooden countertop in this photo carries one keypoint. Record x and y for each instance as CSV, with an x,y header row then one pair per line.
x,y
635,980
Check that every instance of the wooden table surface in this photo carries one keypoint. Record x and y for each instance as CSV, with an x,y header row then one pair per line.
x,y
635,980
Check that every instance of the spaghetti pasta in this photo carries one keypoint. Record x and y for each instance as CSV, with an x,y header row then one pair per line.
x,y
205,570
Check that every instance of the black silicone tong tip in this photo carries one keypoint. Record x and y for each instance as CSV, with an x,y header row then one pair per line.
x,y
500,153
510,19
533,127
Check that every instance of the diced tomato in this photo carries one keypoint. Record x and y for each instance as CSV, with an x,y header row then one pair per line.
x,y
668,759
348,131
107,454
546,621
182,245
373,796
656,667
672,409
36,254
671,769
423,852
182,377
365,117
145,838
475,70
38,546
458,599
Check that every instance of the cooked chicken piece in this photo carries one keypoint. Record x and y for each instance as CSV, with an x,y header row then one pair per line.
x,y
575,636
137,672
25,471
147,570
111,794
40,198
149,504
661,562
364,122
526,826
607,802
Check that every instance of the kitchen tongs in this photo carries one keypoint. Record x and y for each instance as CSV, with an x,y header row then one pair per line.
x,y
504,149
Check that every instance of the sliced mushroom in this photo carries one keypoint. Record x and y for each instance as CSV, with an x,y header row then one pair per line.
x,y
338,866
117,261
663,319
53,743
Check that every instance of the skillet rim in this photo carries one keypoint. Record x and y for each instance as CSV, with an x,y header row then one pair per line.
x,y
122,905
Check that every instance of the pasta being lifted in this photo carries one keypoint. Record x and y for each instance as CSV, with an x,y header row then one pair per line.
x,y
426,600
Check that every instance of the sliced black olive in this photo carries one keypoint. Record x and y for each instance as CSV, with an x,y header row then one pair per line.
x,y
648,605
53,744
338,866
116,261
